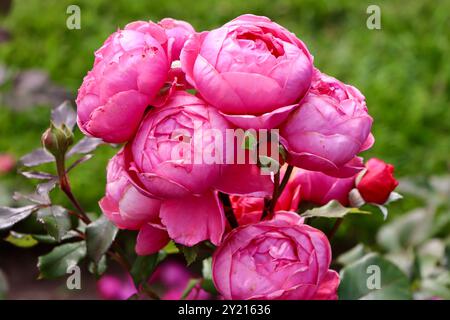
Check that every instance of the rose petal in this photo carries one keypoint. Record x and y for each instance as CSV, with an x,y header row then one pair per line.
x,y
151,239
192,219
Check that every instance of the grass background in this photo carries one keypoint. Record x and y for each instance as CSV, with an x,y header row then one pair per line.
x,y
402,69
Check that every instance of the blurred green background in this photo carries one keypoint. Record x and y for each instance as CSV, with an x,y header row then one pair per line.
x,y
402,69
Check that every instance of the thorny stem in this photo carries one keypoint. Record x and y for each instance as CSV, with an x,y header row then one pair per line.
x,y
276,193
65,187
64,184
285,180
75,214
269,204
229,213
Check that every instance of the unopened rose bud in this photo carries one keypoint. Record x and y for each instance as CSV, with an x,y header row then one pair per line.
x,y
378,181
57,140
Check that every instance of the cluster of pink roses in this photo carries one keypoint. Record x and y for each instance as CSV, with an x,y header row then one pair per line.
x,y
251,73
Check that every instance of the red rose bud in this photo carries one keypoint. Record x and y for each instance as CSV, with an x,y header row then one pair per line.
x,y
378,182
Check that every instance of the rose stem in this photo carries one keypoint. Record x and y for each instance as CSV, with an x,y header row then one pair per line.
x,y
269,206
229,214
285,180
276,187
65,187
64,183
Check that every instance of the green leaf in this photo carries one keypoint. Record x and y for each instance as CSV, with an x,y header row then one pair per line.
x,y
64,114
436,287
359,280
10,216
56,220
37,175
21,240
142,269
171,248
332,209
190,253
36,157
3,285
100,234
43,189
39,199
352,255
56,263
85,145
48,239
430,256
99,268
208,286
447,256
408,230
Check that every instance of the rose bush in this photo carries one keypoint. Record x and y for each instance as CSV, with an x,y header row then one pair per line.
x,y
189,179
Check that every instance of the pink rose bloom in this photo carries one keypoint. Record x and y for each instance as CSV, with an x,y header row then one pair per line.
x,y
172,158
111,287
378,181
7,163
277,259
127,208
252,69
166,148
161,163
329,129
318,188
129,70
177,31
